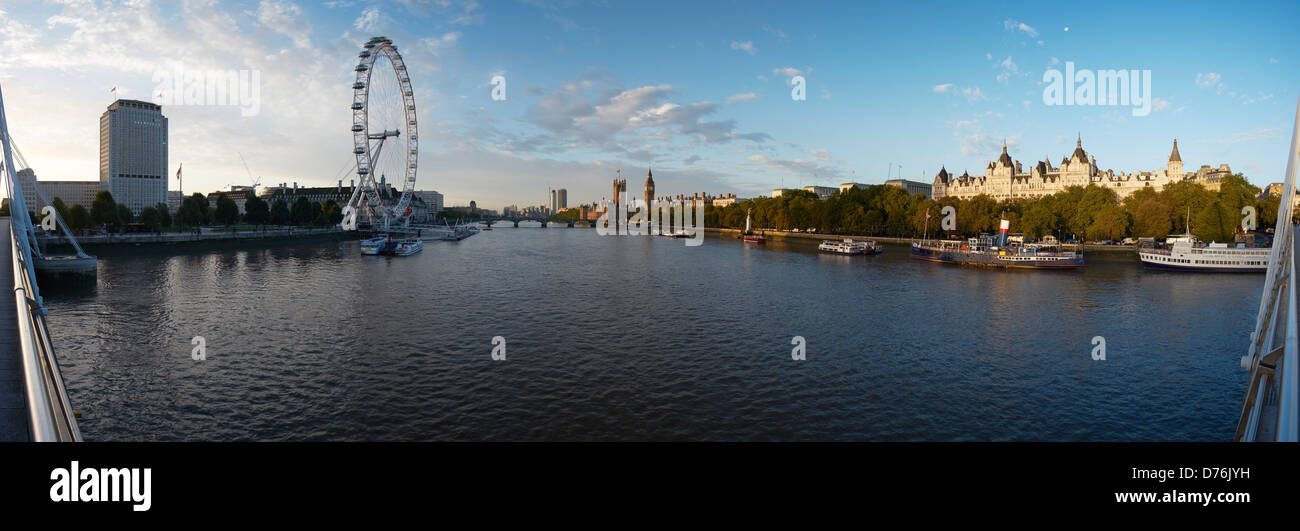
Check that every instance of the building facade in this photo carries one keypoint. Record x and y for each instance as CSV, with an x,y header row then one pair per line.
x,y
912,187
432,198
70,192
822,192
1007,179
133,153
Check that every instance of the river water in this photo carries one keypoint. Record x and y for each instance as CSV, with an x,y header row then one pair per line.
x,y
640,338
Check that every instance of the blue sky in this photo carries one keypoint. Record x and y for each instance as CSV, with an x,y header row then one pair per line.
x,y
698,89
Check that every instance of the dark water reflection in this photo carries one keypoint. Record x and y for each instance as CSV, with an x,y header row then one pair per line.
x,y
643,338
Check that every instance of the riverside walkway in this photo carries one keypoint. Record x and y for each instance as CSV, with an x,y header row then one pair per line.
x,y
13,401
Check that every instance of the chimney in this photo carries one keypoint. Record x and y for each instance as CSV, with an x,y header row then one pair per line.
x,y
340,190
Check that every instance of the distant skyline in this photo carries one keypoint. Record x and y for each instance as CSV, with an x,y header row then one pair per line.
x,y
699,90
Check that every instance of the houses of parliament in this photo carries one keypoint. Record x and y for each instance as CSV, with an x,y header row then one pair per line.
x,y
1007,179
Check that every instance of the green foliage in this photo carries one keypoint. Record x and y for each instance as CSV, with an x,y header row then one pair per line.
x,y
164,217
280,212
79,218
193,211
103,209
256,211
300,213
60,208
227,212
124,214
332,211
1093,212
149,217
1215,223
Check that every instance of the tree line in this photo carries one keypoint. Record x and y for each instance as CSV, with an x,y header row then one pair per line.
x,y
195,211
1091,212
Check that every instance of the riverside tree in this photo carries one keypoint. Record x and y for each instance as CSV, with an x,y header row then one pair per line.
x,y
1089,212
103,209
280,212
227,212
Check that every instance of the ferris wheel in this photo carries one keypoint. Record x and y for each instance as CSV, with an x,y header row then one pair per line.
x,y
385,137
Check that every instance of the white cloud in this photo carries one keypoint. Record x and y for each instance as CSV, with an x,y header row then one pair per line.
x,y
285,18
746,46
1012,25
942,89
1272,60
972,95
780,35
740,98
1258,133
1009,68
787,72
1160,104
1208,80
371,20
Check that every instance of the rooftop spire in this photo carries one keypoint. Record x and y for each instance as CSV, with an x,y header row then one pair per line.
x,y
1174,156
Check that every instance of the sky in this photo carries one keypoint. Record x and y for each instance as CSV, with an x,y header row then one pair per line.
x,y
701,91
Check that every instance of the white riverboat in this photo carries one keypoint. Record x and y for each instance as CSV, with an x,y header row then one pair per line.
x,y
848,246
406,246
1184,252
373,245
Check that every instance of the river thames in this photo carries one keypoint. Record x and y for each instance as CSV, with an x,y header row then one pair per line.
x,y
639,338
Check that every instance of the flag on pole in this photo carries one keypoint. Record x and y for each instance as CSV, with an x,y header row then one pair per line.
x,y
178,170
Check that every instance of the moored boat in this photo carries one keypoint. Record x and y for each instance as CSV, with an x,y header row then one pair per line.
x,y
748,236
373,245
1184,252
987,251
403,247
848,246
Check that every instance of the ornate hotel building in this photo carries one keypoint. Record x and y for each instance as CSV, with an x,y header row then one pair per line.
x,y
1007,179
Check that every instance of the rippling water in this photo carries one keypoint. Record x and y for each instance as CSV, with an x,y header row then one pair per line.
x,y
612,338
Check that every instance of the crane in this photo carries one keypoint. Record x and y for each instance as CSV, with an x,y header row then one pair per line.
x,y
256,182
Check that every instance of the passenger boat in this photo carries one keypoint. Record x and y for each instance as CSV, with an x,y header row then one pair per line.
x,y
373,245
387,245
848,246
1184,252
403,247
988,251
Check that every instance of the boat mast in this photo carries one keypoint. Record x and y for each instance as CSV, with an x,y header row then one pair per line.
x,y
925,234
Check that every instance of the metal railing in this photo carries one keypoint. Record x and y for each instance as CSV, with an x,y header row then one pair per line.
x,y
50,414
1269,409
